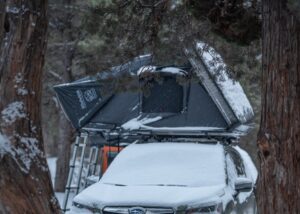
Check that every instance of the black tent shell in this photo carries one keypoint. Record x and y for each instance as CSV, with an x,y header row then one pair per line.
x,y
168,106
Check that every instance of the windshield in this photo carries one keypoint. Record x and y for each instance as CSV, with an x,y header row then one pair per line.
x,y
168,164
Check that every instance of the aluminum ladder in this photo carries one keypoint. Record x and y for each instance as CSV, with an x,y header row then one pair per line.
x,y
93,157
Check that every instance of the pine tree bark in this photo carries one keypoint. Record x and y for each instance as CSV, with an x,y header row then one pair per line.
x,y
25,185
65,129
279,135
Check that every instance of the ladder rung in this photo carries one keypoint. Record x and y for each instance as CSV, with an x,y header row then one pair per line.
x,y
72,187
76,165
79,144
73,163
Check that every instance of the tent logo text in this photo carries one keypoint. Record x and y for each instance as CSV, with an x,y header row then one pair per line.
x,y
86,97
81,99
90,95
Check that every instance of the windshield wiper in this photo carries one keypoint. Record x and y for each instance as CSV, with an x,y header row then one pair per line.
x,y
120,185
168,185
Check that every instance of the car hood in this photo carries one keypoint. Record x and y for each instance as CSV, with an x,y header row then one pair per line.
x,y
100,195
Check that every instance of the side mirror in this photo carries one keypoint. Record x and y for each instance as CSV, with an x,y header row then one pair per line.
x,y
243,184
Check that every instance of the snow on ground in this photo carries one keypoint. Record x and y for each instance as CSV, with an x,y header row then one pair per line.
x,y
52,167
59,195
231,89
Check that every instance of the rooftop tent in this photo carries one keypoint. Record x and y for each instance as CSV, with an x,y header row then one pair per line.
x,y
81,99
166,100
169,99
161,91
226,92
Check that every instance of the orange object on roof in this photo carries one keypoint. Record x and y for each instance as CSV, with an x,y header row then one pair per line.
x,y
108,155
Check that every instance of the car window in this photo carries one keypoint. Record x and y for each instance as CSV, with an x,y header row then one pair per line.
x,y
237,161
111,156
231,170
163,97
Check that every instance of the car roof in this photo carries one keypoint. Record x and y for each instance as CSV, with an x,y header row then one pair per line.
x,y
168,164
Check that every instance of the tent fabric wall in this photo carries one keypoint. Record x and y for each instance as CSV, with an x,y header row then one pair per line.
x,y
204,107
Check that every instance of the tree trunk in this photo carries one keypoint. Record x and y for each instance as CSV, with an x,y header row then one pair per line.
x,y
279,135
65,129
64,151
64,133
25,185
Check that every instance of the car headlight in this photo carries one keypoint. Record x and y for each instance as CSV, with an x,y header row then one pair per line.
x,y
213,209
82,206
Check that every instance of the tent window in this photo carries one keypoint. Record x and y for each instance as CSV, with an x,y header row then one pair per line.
x,y
164,96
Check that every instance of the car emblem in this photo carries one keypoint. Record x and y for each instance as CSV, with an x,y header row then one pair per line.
x,y
137,210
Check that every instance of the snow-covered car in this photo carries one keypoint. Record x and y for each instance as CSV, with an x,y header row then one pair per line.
x,y
167,178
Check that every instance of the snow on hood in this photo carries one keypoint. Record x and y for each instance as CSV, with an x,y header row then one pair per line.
x,y
231,89
101,194
173,164
161,174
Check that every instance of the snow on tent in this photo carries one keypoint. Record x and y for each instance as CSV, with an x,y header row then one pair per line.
x,y
162,100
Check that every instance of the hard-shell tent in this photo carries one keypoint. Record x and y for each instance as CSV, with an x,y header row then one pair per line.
x,y
140,101
195,99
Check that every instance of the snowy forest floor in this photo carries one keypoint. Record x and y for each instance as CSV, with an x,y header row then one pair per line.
x,y
52,167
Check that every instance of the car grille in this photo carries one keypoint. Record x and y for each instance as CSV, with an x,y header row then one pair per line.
x,y
145,210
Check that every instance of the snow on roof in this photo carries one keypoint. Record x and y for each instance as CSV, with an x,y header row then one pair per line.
x,y
168,164
153,69
139,122
173,70
231,89
147,68
145,55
